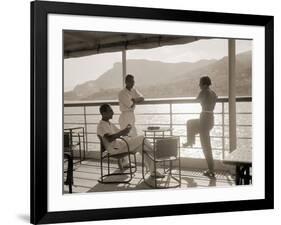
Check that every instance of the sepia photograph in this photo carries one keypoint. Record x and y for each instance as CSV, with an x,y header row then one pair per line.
x,y
145,111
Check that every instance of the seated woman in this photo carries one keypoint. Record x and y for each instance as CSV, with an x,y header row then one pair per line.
x,y
204,124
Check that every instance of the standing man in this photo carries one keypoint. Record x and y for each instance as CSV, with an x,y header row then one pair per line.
x,y
128,98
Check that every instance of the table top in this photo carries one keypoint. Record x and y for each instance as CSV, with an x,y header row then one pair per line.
x,y
160,129
73,128
239,156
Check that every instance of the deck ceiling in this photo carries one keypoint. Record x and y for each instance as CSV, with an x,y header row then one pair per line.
x,y
84,43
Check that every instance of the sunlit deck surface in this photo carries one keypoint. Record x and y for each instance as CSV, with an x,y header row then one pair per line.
x,y
87,173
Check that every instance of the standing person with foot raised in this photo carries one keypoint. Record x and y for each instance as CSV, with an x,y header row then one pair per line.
x,y
207,98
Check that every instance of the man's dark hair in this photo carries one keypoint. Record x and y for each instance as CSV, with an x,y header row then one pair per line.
x,y
104,108
129,76
205,80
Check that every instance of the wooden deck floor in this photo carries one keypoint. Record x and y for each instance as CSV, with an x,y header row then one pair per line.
x,y
87,173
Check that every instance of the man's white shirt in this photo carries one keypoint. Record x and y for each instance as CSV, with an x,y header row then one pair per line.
x,y
106,127
125,97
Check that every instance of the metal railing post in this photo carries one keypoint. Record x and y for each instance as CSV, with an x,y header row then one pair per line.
x,y
171,118
85,124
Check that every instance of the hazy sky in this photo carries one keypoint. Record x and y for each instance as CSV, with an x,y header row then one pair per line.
x,y
80,70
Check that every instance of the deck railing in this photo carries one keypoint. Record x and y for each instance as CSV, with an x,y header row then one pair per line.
x,y
86,114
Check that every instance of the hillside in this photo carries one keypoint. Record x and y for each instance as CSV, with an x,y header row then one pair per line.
x,y
159,79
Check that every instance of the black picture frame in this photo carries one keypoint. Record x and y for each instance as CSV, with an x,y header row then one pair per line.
x,y
39,113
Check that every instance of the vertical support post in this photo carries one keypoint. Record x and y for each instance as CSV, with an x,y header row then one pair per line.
x,y
223,133
124,67
232,94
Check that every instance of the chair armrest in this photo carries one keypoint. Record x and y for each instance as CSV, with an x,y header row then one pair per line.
x,y
110,154
127,145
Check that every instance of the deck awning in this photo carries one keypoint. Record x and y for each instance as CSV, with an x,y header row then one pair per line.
x,y
85,43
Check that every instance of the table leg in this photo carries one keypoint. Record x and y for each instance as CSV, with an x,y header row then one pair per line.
x,y
69,176
247,175
238,175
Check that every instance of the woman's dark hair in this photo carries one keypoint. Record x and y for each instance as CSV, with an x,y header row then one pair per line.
x,y
104,108
205,80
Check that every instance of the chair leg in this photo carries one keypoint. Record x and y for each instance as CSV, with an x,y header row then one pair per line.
x,y
101,168
142,165
170,169
101,180
108,165
130,167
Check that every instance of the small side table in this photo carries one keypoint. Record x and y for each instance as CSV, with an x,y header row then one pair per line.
x,y
160,132
242,160
157,132
76,132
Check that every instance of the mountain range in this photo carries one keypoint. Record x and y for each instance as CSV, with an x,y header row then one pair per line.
x,y
157,79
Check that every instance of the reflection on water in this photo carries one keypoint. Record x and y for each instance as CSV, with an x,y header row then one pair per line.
x,y
158,114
